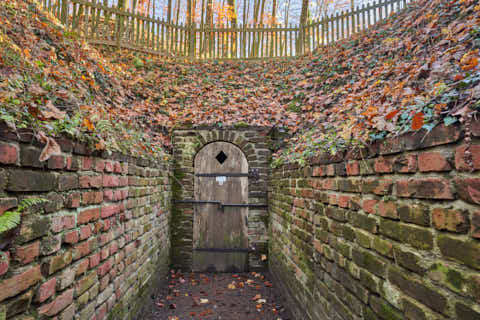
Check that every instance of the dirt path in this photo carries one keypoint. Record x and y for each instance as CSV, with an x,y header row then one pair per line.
x,y
246,296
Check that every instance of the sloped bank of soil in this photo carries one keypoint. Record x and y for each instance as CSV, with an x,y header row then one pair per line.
x,y
246,296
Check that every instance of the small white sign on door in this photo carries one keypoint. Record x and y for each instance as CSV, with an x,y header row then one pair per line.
x,y
221,179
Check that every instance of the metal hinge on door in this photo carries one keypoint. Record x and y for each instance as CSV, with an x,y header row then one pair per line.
x,y
252,174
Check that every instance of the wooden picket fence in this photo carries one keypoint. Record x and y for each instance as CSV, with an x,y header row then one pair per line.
x,y
106,25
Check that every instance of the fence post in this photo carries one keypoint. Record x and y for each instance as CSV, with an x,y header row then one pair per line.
x,y
64,12
191,40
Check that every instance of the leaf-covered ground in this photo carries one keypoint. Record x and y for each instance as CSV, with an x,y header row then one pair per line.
x,y
244,296
57,85
416,70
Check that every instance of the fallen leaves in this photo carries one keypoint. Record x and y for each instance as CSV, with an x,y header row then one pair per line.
x,y
51,147
417,121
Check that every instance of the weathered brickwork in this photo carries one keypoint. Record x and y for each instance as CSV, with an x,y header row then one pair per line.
x,y
255,143
390,234
93,249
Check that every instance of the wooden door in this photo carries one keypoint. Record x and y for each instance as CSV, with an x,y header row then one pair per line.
x,y
220,241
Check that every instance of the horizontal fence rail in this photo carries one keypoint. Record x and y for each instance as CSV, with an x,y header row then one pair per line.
x,y
105,25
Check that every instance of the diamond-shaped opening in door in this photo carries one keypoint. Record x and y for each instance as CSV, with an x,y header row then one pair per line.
x,y
221,157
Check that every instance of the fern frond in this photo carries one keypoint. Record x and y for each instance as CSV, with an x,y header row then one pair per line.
x,y
28,202
9,220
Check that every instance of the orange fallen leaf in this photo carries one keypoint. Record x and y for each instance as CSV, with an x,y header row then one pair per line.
x,y
417,121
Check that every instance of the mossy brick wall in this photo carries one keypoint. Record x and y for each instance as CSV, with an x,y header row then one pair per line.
x,y
92,250
392,234
255,143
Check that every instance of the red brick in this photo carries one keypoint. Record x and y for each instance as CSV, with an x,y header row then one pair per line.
x,y
8,153
99,165
427,188
87,163
4,262
61,302
90,181
476,225
101,312
69,222
353,168
387,209
14,285
433,161
108,195
330,171
71,237
104,282
56,162
46,290
406,163
125,168
318,171
450,220
344,200
73,200
119,195
123,181
85,232
297,202
110,181
67,182
88,215
105,253
332,199
468,189
460,162
376,186
106,224
82,267
7,204
117,167
94,260
92,197
114,246
110,210
108,166
69,163
368,205
104,268
27,253
124,193
81,250
57,224
383,165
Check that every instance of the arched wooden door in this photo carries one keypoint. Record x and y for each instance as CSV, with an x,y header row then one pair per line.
x,y
220,242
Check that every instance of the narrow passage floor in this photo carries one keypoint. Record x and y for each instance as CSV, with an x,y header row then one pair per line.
x,y
246,296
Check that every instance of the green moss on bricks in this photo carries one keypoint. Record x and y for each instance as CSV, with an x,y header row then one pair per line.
x,y
465,251
117,312
450,277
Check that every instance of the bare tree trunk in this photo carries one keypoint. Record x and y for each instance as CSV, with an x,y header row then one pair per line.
x,y
245,12
287,11
274,12
303,22
262,10
177,8
169,11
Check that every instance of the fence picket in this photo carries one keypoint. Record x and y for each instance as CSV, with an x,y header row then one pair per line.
x,y
102,23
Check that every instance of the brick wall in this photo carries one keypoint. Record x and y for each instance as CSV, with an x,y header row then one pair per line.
x,y
91,251
255,143
392,234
